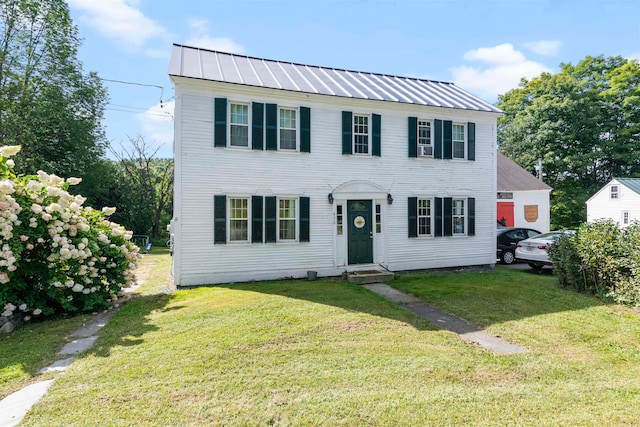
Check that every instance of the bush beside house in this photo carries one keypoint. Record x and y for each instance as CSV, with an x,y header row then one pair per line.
x,y
601,258
56,256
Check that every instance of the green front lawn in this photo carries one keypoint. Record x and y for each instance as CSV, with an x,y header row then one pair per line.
x,y
330,353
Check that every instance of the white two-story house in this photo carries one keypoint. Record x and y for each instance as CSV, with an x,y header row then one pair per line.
x,y
284,168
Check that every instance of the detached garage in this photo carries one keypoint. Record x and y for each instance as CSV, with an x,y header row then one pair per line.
x,y
523,200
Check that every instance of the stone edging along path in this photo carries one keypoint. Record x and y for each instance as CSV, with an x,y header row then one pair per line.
x,y
14,407
445,320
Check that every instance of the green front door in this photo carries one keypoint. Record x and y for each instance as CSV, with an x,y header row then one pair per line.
x,y
360,232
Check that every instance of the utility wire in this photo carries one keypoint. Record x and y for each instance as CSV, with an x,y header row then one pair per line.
x,y
136,84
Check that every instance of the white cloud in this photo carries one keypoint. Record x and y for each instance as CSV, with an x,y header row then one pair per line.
x,y
501,54
502,70
199,37
121,21
544,47
157,125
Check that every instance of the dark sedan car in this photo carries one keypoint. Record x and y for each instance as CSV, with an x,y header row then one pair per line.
x,y
507,240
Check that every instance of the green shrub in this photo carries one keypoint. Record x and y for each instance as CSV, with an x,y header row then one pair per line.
x,y
56,256
601,258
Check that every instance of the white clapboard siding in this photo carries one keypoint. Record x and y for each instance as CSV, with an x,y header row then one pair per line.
x,y
602,206
203,171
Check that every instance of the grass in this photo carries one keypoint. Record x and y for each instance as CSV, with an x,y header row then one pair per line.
x,y
35,345
30,348
330,353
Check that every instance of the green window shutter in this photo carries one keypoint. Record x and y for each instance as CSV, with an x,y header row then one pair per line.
x,y
471,141
376,135
447,137
413,137
447,216
270,219
220,122
219,219
305,130
256,219
257,133
437,201
437,136
471,220
272,126
304,219
413,216
347,129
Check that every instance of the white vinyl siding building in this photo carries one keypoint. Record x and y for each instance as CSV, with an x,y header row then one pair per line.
x,y
345,199
619,201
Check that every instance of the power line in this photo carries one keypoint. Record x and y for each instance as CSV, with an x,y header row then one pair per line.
x,y
136,84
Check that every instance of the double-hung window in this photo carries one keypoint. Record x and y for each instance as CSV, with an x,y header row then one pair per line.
x,y
288,129
238,219
425,217
239,125
614,192
287,219
425,146
360,134
625,217
458,216
458,140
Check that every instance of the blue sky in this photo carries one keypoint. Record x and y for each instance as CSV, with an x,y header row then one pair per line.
x,y
484,46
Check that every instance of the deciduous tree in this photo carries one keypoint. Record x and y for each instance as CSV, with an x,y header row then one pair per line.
x,y
47,105
583,122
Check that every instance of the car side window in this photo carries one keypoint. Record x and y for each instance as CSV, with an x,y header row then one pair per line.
x,y
516,234
532,233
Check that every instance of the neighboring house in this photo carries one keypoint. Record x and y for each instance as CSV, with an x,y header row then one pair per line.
x,y
284,168
523,200
619,201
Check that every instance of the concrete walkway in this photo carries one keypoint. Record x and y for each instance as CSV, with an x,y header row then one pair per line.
x,y
14,407
445,320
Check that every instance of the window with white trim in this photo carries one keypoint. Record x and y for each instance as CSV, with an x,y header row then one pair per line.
x,y
458,140
425,147
458,216
378,219
339,220
614,192
360,134
238,219
288,129
238,125
287,219
625,217
425,217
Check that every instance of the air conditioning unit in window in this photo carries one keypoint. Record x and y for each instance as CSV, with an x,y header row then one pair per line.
x,y
425,150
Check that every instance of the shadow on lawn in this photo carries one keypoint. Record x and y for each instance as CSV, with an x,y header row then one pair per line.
x,y
482,299
130,323
498,296
336,293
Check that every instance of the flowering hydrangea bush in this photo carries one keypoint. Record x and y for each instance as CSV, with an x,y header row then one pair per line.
x,y
56,255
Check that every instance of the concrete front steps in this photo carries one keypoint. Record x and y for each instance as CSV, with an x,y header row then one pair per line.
x,y
373,274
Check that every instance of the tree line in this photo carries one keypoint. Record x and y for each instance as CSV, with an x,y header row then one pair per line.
x,y
54,110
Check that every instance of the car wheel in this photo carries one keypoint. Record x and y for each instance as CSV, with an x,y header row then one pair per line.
x,y
508,257
535,266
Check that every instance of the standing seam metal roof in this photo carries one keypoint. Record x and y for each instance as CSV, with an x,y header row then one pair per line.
x,y
632,183
225,67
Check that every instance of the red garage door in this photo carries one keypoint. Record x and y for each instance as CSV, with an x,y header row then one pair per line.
x,y
505,213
